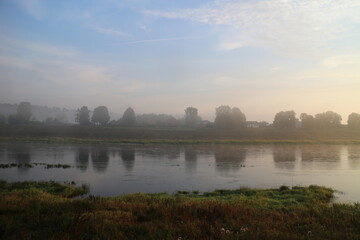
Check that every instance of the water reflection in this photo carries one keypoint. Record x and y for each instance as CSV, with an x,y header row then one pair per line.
x,y
168,152
128,157
190,158
21,154
322,157
284,157
82,158
229,158
354,156
100,158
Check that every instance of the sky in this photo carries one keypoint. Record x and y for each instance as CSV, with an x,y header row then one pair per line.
x,y
161,56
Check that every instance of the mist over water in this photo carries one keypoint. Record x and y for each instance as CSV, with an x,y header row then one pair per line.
x,y
111,170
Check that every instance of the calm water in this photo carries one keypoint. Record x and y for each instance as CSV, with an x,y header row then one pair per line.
x,y
118,169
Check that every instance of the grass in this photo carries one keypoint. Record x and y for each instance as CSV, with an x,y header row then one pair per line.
x,y
35,211
93,134
27,165
174,141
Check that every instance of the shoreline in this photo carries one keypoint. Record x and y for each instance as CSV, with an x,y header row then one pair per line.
x,y
175,141
43,210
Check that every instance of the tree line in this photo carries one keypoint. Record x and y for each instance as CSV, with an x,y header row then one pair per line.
x,y
226,117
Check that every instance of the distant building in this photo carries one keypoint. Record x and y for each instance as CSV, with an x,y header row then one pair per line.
x,y
252,124
205,123
256,124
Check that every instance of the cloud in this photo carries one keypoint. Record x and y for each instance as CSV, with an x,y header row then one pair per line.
x,y
34,8
335,61
110,31
285,25
38,48
158,40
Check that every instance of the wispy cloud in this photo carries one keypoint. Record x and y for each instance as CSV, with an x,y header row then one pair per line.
x,y
286,25
112,32
158,40
37,48
335,61
34,8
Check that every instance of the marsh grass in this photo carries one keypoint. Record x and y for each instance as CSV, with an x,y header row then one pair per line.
x,y
36,211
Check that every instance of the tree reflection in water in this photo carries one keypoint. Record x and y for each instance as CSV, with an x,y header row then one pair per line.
x,y
190,158
21,154
127,155
229,158
284,157
100,158
82,158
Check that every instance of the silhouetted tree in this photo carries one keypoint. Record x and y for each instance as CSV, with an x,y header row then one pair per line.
x,y
285,119
354,121
191,116
223,117
239,117
328,119
229,118
22,115
128,118
101,115
83,116
307,121
2,119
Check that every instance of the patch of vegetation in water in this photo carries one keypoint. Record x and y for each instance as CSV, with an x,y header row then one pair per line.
x,y
32,211
27,165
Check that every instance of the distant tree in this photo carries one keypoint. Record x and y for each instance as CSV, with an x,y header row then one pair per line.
x,y
354,121
307,121
238,117
191,116
285,119
24,112
100,116
328,119
83,116
128,118
223,118
227,117
2,119
22,115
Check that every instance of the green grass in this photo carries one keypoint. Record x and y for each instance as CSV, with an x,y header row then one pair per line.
x,y
37,211
173,141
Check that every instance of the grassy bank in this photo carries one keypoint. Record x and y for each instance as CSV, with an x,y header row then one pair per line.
x,y
93,134
32,211
174,141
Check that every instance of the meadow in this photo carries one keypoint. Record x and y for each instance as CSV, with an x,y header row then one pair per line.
x,y
48,210
96,134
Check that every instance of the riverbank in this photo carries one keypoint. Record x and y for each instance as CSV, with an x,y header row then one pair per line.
x,y
173,141
36,211
138,135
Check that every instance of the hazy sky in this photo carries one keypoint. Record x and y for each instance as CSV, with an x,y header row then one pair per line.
x,y
164,55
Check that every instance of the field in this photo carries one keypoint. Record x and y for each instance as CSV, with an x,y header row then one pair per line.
x,y
92,134
46,210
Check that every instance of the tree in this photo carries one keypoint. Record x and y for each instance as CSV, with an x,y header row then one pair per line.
x,y
223,118
239,117
227,117
2,119
307,121
83,116
101,115
328,119
24,112
285,119
354,121
128,118
22,115
191,116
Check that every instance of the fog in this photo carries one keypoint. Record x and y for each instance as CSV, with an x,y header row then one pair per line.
x,y
162,57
